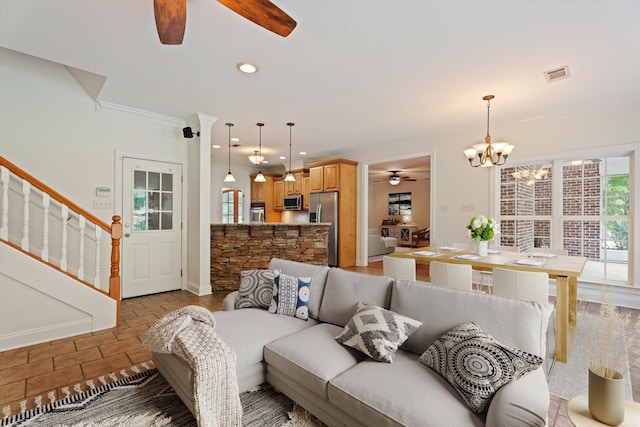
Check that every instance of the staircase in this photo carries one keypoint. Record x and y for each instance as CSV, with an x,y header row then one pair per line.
x,y
59,264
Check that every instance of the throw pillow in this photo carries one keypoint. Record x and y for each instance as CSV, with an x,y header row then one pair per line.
x,y
291,296
256,289
377,332
475,364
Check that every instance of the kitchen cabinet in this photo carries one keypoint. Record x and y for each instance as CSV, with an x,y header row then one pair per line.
x,y
278,195
292,188
264,192
305,193
402,233
340,175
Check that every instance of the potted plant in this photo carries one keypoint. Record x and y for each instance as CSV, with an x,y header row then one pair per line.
x,y
481,229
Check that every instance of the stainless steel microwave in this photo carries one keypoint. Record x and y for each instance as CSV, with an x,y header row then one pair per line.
x,y
293,203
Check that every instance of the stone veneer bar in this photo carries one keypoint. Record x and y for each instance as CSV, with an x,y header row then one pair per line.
x,y
236,247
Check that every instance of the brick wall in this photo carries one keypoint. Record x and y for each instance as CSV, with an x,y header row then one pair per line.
x,y
236,247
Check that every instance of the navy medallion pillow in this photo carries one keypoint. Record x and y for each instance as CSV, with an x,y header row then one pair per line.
x,y
377,332
475,364
256,289
291,296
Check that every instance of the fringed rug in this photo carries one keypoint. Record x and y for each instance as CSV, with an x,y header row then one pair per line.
x,y
146,399
571,379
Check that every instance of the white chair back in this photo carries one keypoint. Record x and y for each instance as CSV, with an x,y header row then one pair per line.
x,y
399,268
454,276
522,285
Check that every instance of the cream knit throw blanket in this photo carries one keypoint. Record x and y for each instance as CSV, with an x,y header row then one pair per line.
x,y
188,333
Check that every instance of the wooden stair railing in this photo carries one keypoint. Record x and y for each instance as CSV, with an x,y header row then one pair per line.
x,y
68,208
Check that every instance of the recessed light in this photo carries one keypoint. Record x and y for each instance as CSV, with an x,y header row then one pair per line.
x,y
235,139
247,68
282,157
303,153
215,146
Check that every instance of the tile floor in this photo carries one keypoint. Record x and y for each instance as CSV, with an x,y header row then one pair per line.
x,y
46,369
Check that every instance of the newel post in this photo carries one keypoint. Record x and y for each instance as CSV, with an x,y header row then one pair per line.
x,y
114,279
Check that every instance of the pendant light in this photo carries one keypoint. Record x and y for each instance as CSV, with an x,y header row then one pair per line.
x,y
229,177
260,177
487,154
290,177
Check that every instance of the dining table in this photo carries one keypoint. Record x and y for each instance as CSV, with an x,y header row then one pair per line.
x,y
564,269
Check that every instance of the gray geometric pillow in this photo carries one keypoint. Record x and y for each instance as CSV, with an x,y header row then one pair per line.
x,y
475,364
256,289
377,332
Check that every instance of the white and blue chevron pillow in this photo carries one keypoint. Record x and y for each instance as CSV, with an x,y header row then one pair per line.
x,y
291,296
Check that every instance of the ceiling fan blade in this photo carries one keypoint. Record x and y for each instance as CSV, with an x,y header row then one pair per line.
x,y
263,13
171,19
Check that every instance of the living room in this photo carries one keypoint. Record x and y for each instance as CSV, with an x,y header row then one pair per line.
x,y
69,111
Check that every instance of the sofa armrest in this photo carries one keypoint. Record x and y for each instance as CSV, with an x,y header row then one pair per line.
x,y
230,301
524,402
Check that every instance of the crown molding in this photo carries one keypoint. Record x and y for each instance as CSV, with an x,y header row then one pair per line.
x,y
155,117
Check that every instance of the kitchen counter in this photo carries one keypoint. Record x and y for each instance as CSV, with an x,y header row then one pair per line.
x,y
237,247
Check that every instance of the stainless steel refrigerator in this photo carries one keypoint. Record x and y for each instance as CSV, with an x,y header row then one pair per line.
x,y
323,207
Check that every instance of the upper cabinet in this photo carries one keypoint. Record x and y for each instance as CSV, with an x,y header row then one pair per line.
x,y
332,175
278,195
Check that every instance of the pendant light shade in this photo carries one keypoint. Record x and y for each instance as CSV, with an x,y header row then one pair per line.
x,y
290,177
260,177
229,177
488,154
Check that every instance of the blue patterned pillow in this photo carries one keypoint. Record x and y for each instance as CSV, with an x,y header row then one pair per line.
x,y
291,296
477,365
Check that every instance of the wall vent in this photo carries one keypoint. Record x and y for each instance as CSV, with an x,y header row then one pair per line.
x,y
557,74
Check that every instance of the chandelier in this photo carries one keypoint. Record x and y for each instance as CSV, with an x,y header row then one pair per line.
x,y
488,154
256,158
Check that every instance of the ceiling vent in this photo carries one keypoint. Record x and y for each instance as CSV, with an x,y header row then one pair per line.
x,y
557,74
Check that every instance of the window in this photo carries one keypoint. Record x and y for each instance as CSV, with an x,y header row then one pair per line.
x,y
152,201
589,216
232,206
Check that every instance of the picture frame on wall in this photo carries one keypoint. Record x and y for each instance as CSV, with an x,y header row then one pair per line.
x,y
400,203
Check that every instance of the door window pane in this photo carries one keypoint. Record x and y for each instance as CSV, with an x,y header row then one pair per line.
x,y
152,207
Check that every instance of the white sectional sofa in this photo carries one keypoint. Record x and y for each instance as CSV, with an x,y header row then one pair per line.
x,y
344,387
376,244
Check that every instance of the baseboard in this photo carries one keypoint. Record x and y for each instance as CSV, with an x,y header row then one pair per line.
x,y
194,288
626,296
46,333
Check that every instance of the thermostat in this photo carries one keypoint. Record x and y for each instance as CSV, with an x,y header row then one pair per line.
x,y
103,192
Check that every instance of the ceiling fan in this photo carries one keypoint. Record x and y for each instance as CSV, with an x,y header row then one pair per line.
x,y
395,179
171,17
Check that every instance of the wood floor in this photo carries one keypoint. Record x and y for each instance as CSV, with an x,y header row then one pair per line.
x,y
34,375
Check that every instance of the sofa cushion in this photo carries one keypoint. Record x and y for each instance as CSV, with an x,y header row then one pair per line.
x,y
377,332
404,393
291,296
247,331
343,291
256,289
475,364
318,274
311,357
518,324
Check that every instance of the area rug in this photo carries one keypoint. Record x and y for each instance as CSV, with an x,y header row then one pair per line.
x,y
571,379
146,399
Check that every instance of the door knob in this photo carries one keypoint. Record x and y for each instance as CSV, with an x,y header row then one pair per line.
x,y
127,234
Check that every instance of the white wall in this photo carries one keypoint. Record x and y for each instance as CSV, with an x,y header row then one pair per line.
x,y
48,123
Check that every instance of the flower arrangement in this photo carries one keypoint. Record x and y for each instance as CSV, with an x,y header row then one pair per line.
x,y
481,228
605,357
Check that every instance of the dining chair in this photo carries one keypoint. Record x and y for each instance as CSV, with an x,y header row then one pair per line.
x,y
487,276
399,268
454,276
523,285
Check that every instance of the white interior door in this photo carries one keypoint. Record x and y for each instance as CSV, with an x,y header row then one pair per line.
x,y
151,219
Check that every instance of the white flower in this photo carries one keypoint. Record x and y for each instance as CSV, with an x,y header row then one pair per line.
x,y
477,223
